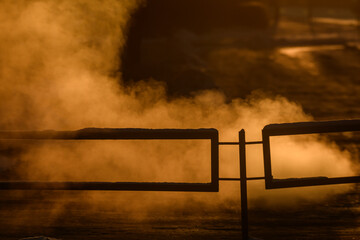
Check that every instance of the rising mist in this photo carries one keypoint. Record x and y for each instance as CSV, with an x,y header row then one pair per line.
x,y
59,69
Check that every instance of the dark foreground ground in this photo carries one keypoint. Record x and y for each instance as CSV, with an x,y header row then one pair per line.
x,y
325,81
336,218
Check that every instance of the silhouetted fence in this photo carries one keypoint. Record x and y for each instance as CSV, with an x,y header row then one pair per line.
x,y
203,134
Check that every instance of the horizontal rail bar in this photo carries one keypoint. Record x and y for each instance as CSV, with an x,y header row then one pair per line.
x,y
313,181
229,179
254,142
112,133
238,179
116,186
311,127
237,143
255,178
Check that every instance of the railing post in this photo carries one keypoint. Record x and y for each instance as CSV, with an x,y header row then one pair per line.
x,y
243,186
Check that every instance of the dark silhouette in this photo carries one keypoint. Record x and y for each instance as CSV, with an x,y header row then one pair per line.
x,y
119,134
169,26
204,134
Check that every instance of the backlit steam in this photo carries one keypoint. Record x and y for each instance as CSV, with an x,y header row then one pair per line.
x,y
58,70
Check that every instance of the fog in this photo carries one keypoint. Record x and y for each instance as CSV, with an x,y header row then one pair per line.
x,y
59,69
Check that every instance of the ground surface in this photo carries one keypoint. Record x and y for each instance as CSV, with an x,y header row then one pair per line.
x,y
337,218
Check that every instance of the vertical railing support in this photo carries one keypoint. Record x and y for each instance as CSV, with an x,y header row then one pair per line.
x,y
243,186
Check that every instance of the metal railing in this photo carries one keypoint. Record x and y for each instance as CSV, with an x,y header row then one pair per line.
x,y
304,128
203,134
120,134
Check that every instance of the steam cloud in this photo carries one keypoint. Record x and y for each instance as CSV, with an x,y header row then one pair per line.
x,y
58,70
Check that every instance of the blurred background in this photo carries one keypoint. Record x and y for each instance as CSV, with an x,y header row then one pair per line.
x,y
307,51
